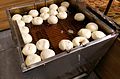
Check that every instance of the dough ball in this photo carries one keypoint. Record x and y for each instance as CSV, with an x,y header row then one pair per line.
x,y
98,34
16,17
42,44
24,30
92,26
32,59
52,19
62,15
27,18
85,33
53,6
37,21
79,16
47,53
44,16
33,13
62,9
27,38
44,10
53,12
20,23
65,45
65,3
80,41
29,49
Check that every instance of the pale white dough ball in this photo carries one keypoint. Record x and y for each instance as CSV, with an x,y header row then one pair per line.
x,y
52,19
37,21
62,15
98,34
62,9
32,59
65,44
44,16
27,18
53,12
53,6
27,38
29,49
79,16
65,3
44,10
42,44
16,17
33,13
24,30
92,26
47,53
84,32
80,41
20,23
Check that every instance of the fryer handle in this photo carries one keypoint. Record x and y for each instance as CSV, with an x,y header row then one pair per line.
x,y
108,7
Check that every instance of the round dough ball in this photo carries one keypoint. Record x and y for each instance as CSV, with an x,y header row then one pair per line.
x,y
53,6
42,44
53,12
27,18
65,45
52,19
47,53
27,38
16,17
80,41
37,21
32,59
44,16
65,3
24,30
33,13
79,16
44,10
62,9
98,34
29,49
20,23
92,26
62,15
84,32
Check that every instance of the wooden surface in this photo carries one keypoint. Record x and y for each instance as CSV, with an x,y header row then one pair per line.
x,y
4,4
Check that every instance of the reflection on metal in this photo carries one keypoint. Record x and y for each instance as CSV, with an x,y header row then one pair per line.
x,y
81,76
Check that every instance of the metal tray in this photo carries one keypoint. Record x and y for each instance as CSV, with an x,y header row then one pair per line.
x,y
67,64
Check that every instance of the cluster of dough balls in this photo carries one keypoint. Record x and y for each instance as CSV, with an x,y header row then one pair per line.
x,y
51,14
24,30
30,49
43,45
91,30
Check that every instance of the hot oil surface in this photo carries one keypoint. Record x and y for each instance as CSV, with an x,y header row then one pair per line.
x,y
57,32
